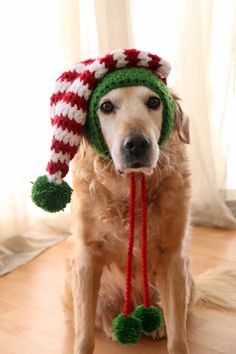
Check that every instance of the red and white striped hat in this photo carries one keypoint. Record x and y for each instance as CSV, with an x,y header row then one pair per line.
x,y
69,106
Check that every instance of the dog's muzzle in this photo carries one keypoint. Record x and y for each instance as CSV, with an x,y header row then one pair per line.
x,y
135,150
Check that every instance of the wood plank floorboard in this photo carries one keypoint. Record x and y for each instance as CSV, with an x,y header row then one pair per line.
x,y
32,318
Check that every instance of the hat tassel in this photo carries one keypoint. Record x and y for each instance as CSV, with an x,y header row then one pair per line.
x,y
127,327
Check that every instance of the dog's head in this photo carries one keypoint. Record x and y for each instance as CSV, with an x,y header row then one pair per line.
x,y
131,114
130,123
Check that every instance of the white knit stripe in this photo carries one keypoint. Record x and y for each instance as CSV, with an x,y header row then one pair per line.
x,y
80,89
59,156
165,68
120,57
67,137
99,69
62,86
66,110
55,178
144,59
52,111
79,67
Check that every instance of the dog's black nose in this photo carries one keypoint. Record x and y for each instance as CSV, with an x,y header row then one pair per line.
x,y
136,145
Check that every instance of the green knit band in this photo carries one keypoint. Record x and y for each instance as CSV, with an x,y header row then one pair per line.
x,y
123,78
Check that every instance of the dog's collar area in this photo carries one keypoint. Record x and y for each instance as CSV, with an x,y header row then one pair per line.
x,y
128,326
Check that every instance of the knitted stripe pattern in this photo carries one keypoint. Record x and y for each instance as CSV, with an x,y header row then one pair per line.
x,y
123,78
69,102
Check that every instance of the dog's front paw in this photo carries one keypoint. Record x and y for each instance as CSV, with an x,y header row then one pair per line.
x,y
181,351
83,351
178,348
84,348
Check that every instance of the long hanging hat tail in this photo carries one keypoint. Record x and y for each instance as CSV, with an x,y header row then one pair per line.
x,y
127,327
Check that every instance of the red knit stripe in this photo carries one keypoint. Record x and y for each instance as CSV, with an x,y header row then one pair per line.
x,y
164,80
127,306
109,62
132,57
70,124
73,99
88,77
54,167
56,97
69,76
144,242
59,146
87,61
154,64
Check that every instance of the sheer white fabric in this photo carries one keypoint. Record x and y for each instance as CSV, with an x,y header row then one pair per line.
x,y
30,63
198,37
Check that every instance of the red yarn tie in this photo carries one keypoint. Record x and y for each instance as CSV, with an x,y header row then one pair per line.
x,y
127,307
130,244
144,241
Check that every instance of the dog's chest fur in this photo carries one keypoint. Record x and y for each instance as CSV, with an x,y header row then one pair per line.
x,y
101,203
100,207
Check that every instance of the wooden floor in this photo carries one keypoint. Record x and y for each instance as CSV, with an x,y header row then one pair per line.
x,y
32,320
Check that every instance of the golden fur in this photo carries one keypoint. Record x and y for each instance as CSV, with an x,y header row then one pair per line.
x,y
100,207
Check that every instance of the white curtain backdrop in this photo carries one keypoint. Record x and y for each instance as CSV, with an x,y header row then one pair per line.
x,y
199,39
205,77
41,39
30,61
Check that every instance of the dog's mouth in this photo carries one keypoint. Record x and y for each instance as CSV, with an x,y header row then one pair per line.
x,y
136,166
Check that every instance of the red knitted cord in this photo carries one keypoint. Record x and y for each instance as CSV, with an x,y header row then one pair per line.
x,y
130,245
144,242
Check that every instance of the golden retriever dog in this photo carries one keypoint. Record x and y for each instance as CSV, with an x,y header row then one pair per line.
x,y
100,209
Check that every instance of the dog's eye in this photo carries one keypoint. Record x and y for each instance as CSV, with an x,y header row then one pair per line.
x,y
107,107
153,102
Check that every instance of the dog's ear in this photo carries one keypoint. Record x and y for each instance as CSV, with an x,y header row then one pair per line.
x,y
181,124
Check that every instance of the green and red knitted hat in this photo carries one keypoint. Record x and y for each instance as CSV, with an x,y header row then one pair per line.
x,y
74,106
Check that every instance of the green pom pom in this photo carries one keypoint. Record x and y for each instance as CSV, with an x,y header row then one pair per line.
x,y
126,329
50,196
151,318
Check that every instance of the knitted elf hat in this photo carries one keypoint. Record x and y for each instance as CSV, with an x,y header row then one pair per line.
x,y
74,103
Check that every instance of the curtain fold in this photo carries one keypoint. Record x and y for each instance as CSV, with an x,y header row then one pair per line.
x,y
113,19
201,78
30,62
198,38
39,234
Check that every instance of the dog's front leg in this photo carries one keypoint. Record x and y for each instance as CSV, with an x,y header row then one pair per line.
x,y
173,286
86,275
